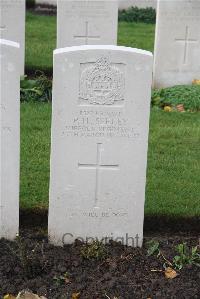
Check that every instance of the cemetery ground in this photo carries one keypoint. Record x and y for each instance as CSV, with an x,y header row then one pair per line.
x,y
41,43
168,266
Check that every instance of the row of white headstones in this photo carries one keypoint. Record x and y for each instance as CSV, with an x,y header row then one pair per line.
x,y
80,22
100,118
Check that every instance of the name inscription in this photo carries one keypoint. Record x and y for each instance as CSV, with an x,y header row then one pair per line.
x,y
96,123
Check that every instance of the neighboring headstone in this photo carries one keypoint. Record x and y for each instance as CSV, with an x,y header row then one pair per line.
x,y
12,25
91,22
101,100
177,44
9,138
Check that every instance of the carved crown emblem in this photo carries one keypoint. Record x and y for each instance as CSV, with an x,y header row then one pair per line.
x,y
102,83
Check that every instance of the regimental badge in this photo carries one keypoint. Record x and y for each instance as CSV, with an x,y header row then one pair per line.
x,y
102,83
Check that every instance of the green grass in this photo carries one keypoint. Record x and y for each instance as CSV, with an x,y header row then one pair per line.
x,y
35,152
136,35
173,180
41,43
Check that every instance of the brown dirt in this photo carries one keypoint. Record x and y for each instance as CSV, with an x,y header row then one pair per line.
x,y
125,273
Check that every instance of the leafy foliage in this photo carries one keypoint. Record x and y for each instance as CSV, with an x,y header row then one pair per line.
x,y
38,89
153,248
186,256
188,95
135,14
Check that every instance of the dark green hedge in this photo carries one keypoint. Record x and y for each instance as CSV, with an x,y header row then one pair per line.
x,y
135,14
30,3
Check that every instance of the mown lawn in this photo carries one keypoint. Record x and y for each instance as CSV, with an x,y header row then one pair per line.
x,y
173,180
40,43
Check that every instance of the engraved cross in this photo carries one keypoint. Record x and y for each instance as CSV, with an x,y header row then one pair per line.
x,y
87,36
98,166
186,41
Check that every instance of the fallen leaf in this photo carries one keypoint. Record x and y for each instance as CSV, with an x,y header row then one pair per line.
x,y
180,108
76,295
28,295
196,82
170,273
167,109
9,297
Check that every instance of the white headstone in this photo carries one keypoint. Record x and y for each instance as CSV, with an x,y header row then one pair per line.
x,y
12,25
91,22
9,138
101,102
177,43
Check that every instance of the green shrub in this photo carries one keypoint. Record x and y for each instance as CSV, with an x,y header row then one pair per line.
x,y
188,95
135,14
30,3
36,90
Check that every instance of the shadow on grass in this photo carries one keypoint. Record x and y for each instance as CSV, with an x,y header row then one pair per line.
x,y
39,218
30,72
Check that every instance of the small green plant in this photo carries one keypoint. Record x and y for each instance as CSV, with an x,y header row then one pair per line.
x,y
37,89
135,14
153,248
95,250
186,256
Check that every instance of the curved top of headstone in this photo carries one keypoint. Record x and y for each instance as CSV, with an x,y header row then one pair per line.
x,y
102,47
9,43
